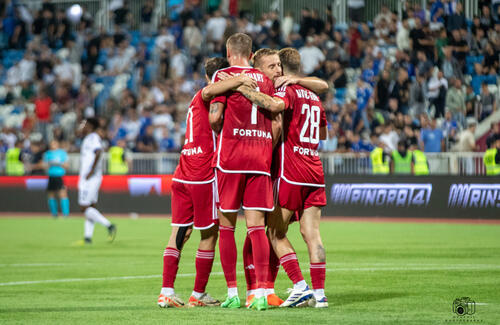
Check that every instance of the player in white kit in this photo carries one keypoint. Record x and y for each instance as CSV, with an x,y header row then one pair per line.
x,y
90,179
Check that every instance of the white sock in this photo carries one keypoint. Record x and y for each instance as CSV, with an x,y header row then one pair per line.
x,y
269,291
88,228
232,292
301,285
167,291
94,215
197,295
250,292
319,293
260,292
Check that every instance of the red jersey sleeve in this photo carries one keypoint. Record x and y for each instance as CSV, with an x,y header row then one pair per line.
x,y
322,121
284,94
221,98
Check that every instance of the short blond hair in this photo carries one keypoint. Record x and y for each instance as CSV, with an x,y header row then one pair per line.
x,y
240,43
257,57
290,60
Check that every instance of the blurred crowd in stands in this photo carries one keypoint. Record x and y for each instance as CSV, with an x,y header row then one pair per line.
x,y
427,78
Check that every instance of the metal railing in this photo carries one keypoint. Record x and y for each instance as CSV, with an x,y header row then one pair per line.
x,y
447,163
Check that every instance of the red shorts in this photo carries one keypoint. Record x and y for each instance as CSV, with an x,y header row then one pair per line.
x,y
250,191
300,197
193,204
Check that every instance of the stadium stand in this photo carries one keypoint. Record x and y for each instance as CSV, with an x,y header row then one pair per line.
x,y
424,72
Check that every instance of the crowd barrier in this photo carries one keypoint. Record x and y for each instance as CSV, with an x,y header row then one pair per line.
x,y
368,196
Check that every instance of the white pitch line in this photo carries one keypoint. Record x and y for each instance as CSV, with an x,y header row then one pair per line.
x,y
355,269
32,264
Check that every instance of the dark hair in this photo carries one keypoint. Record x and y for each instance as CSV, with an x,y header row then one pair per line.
x,y
214,64
93,122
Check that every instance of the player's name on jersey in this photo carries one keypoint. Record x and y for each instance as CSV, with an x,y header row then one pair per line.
x,y
305,151
192,151
303,93
252,133
255,76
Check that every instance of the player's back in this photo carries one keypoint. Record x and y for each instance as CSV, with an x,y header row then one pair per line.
x,y
198,150
245,142
90,144
303,118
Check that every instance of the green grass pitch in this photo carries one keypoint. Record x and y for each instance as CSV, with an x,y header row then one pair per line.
x,y
377,273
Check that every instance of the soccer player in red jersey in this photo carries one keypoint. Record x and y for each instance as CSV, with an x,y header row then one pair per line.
x,y
301,185
268,61
243,167
194,193
301,181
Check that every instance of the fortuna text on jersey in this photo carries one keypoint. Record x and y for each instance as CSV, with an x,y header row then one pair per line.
x,y
252,133
305,151
191,151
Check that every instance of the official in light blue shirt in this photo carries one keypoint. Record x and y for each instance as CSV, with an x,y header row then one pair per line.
x,y
56,162
55,159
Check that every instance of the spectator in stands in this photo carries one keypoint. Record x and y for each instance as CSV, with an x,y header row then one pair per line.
x,y
450,128
356,8
432,137
330,144
36,164
417,96
494,134
215,27
146,142
450,65
389,137
43,107
479,77
382,91
459,47
488,102
147,18
456,20
403,36
467,143
311,56
455,102
122,16
437,89
400,90
131,126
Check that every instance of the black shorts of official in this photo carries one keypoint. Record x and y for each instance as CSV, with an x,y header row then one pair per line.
x,y
55,184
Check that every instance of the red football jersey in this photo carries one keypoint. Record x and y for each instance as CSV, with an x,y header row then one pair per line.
x,y
245,143
199,145
304,116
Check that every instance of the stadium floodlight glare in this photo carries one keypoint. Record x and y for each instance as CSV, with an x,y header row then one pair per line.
x,y
74,13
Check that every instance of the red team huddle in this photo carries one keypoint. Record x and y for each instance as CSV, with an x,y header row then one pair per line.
x,y
228,162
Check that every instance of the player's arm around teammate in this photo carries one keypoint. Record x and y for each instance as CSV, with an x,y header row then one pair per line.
x,y
315,84
300,188
194,193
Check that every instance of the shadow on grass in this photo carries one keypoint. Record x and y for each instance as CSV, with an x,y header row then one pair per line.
x,y
355,297
70,309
